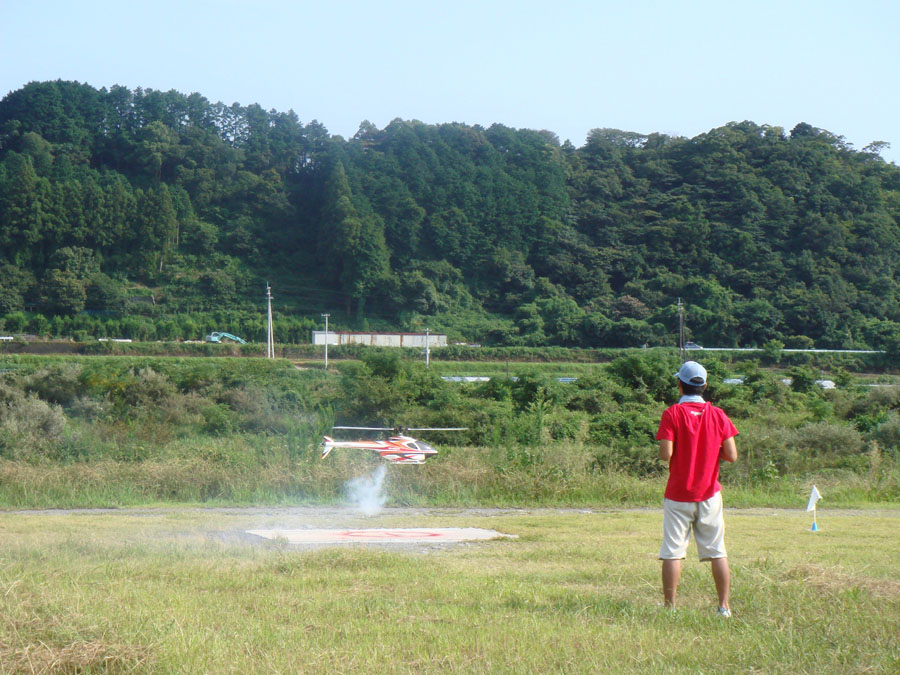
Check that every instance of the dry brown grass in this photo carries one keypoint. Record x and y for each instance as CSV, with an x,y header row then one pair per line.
x,y
78,657
835,579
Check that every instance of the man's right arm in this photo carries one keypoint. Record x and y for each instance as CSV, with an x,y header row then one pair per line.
x,y
666,448
728,452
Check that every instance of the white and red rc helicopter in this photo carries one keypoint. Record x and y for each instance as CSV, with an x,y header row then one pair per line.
x,y
398,449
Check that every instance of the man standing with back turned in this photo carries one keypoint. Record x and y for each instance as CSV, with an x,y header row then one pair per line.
x,y
693,437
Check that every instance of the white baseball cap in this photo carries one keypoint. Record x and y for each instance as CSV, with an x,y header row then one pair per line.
x,y
693,373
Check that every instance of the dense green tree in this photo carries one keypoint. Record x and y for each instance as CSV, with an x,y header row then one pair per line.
x,y
103,293
21,211
155,227
351,245
14,285
64,292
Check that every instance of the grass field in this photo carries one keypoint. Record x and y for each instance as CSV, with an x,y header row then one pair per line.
x,y
152,583
186,591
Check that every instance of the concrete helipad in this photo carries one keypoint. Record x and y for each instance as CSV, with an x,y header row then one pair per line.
x,y
411,535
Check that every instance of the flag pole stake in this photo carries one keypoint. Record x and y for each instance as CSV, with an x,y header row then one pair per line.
x,y
814,497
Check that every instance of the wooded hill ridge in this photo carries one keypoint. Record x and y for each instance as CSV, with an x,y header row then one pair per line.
x,y
494,235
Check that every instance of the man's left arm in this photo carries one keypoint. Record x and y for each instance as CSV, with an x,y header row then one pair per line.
x,y
728,451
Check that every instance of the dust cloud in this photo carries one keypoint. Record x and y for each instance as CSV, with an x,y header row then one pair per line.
x,y
366,493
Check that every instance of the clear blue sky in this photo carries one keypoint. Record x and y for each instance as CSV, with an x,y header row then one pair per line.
x,y
569,66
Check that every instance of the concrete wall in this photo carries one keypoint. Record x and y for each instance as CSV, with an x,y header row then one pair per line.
x,y
380,339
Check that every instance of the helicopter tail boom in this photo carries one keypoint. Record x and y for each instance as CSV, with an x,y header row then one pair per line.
x,y
327,446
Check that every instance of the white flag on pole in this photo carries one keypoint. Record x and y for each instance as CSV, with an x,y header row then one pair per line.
x,y
814,496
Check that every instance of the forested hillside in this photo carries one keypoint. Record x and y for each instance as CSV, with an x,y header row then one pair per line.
x,y
144,210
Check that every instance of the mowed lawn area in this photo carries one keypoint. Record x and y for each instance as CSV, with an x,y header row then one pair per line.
x,y
183,590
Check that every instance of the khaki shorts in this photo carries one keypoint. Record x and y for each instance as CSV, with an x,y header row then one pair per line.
x,y
704,518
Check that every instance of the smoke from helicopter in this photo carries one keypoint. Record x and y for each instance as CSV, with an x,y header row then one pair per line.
x,y
366,492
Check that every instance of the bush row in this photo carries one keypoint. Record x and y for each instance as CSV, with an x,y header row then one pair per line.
x,y
138,409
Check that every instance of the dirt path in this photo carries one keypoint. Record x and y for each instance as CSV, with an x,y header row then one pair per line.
x,y
331,513
310,526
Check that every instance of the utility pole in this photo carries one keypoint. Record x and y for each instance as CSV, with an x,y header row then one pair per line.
x,y
427,350
270,338
681,330
326,340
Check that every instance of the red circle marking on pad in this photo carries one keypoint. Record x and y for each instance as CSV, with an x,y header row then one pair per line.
x,y
376,535
397,534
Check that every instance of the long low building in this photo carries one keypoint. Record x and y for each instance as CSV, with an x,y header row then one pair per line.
x,y
320,337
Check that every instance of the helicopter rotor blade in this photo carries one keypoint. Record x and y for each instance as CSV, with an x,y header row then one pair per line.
x,y
402,430
438,429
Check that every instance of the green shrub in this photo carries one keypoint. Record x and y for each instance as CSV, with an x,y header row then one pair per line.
x,y
89,407
59,383
803,379
830,443
887,432
877,399
765,449
217,419
260,420
29,427
636,460
624,428
649,375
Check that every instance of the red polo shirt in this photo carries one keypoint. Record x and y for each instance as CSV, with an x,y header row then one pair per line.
x,y
697,431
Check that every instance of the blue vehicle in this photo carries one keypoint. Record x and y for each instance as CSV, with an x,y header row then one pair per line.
x,y
216,336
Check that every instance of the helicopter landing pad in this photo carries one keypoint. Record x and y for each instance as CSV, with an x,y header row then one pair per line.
x,y
411,535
